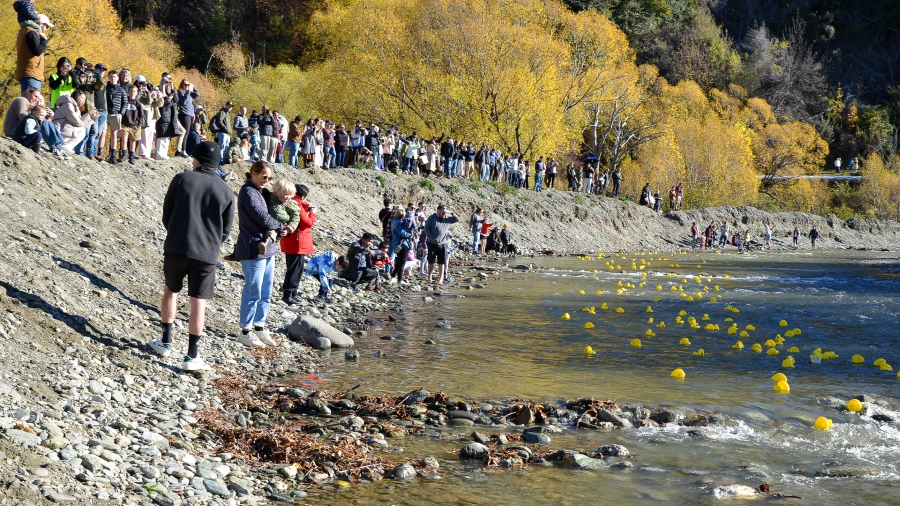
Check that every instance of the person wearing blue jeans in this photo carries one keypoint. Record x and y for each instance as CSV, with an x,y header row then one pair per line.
x,y
93,137
475,222
329,157
254,224
51,135
293,150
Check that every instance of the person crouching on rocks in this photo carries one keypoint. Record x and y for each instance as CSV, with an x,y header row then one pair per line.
x,y
198,211
358,266
257,264
28,131
321,266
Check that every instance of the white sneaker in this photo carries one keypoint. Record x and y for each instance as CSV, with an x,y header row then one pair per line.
x,y
263,335
195,364
250,340
161,349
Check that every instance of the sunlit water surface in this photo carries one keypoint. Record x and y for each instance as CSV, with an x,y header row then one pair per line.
x,y
508,341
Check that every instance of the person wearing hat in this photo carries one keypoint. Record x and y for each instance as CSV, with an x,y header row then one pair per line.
x,y
95,137
437,229
198,212
31,43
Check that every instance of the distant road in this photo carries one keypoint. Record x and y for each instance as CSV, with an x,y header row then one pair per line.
x,y
835,178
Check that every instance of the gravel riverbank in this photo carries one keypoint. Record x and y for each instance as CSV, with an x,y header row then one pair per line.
x,y
89,415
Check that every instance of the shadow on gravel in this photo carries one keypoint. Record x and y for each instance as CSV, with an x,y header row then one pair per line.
x,y
75,322
101,283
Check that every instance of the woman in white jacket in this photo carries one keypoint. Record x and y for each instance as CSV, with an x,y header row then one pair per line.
x,y
72,120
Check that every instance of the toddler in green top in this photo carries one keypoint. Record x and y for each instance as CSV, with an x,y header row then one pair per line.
x,y
283,208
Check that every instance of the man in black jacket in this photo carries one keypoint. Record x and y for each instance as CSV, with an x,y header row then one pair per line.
x,y
198,212
447,155
116,98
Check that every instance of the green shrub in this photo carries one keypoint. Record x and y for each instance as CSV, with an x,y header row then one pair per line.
x,y
477,185
426,183
454,188
579,199
381,180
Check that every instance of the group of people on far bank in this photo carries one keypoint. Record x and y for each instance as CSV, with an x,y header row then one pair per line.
x,y
713,237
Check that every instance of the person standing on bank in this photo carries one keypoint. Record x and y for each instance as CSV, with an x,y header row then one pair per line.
x,y
254,221
437,226
198,212
298,246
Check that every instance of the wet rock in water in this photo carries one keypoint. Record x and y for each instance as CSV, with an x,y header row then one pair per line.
x,y
319,406
443,325
352,355
502,440
882,418
430,341
379,354
431,463
865,399
512,462
535,437
297,393
584,462
642,413
847,472
605,415
473,451
460,422
622,465
523,451
613,451
667,416
404,472
309,328
416,397
468,415
321,343
480,438
736,491
832,402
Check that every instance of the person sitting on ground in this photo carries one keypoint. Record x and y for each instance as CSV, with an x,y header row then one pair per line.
x,y
28,132
321,266
358,266
493,241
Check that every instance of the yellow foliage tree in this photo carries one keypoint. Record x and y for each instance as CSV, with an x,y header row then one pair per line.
x,y
880,189
282,88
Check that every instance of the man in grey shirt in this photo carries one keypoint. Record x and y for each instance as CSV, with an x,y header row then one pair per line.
x,y
437,227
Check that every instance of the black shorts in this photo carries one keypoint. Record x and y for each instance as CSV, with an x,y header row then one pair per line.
x,y
201,276
437,254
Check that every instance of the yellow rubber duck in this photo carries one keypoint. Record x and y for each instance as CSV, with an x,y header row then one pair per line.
x,y
823,423
772,352
886,367
857,359
566,316
581,292
685,341
588,325
879,362
756,348
589,351
620,310
699,353
793,349
649,333
636,343
678,373
787,363
854,405
782,387
749,327
783,323
738,345
744,334
779,377
662,325
649,309
770,343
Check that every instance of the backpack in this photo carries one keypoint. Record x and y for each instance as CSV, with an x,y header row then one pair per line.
x,y
215,123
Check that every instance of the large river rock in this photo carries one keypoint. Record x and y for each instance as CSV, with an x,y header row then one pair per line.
x,y
309,329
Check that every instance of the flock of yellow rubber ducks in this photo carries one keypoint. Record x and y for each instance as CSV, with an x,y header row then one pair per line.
x,y
780,381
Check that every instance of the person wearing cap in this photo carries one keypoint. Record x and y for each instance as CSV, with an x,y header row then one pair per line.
x,y
506,239
198,212
222,126
94,147
254,224
31,44
437,228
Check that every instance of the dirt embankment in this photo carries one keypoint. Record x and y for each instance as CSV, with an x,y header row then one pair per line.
x,y
87,412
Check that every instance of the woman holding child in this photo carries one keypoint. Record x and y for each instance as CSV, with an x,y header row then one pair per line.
x,y
257,254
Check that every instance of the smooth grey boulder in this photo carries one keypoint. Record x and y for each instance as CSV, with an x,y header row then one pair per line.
x,y
309,329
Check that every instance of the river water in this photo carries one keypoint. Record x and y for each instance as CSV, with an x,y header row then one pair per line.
x,y
508,341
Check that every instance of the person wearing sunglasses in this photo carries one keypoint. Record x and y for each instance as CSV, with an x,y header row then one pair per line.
x,y
254,222
61,82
